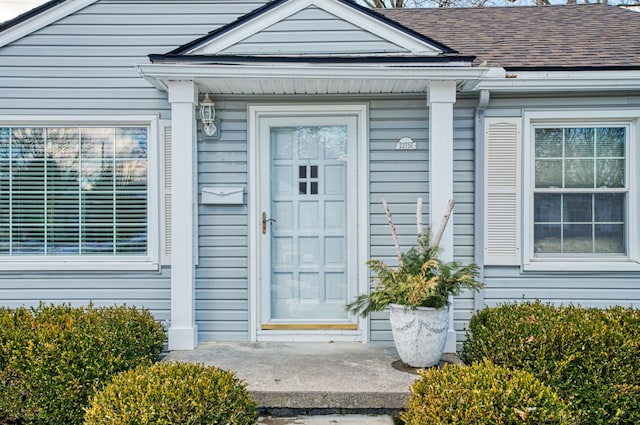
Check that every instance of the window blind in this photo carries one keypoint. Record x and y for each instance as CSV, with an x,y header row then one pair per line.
x,y
75,191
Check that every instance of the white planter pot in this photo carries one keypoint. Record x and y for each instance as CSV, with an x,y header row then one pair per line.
x,y
420,334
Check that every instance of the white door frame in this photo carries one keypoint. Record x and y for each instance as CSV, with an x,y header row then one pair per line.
x,y
361,162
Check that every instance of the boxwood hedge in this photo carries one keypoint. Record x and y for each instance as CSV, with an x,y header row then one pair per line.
x,y
173,393
590,356
483,394
52,358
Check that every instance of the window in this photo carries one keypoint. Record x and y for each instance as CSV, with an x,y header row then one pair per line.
x,y
74,191
308,179
580,191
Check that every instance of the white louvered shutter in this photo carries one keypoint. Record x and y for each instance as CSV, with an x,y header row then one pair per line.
x,y
502,180
165,191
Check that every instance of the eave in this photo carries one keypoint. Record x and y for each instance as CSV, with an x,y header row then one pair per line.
x,y
310,79
539,81
386,59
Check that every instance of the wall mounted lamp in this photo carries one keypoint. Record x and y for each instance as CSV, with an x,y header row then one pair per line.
x,y
208,116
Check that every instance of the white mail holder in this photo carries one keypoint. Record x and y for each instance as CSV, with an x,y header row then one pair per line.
x,y
223,195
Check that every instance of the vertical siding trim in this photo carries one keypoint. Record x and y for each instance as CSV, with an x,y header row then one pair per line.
x,y
165,192
501,183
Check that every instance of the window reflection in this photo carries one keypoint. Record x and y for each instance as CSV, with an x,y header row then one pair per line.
x,y
580,191
73,191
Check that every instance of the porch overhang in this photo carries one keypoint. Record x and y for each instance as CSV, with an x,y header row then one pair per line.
x,y
304,78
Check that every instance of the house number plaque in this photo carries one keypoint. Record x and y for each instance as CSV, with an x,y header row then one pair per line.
x,y
406,143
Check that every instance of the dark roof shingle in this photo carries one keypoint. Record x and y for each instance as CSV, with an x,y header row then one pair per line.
x,y
566,36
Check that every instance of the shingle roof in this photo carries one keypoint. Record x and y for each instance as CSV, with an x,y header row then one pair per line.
x,y
567,36
545,37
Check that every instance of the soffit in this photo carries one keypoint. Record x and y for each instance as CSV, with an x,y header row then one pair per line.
x,y
305,79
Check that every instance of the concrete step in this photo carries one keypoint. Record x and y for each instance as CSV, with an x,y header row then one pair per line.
x,y
327,420
288,379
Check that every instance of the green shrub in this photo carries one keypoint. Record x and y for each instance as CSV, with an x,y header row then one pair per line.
x,y
52,358
591,357
173,393
481,394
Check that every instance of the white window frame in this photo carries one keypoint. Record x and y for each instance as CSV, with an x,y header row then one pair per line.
x,y
150,261
587,118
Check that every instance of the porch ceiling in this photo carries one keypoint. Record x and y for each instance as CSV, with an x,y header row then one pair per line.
x,y
308,80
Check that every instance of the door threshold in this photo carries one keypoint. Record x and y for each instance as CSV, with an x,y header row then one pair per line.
x,y
309,326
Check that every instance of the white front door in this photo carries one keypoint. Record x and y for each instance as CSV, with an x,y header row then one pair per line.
x,y
307,224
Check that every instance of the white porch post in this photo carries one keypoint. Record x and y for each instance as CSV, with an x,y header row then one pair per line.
x,y
183,333
440,99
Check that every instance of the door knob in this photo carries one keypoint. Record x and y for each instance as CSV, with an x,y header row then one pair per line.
x,y
266,220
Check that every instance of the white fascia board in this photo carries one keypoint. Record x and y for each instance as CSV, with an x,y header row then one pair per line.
x,y
530,81
42,20
338,9
156,73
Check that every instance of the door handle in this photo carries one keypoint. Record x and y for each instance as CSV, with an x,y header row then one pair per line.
x,y
266,220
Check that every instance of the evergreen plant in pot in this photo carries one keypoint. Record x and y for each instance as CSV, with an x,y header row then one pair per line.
x,y
417,294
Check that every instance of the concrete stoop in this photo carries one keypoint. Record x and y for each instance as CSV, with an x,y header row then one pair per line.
x,y
291,381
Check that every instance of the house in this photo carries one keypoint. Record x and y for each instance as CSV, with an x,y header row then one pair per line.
x,y
256,222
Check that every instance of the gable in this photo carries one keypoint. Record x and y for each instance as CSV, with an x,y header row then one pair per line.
x,y
313,31
313,27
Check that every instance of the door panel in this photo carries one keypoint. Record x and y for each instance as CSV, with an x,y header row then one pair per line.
x,y
307,273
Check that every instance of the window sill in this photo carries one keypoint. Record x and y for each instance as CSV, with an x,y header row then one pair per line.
x,y
74,264
590,265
